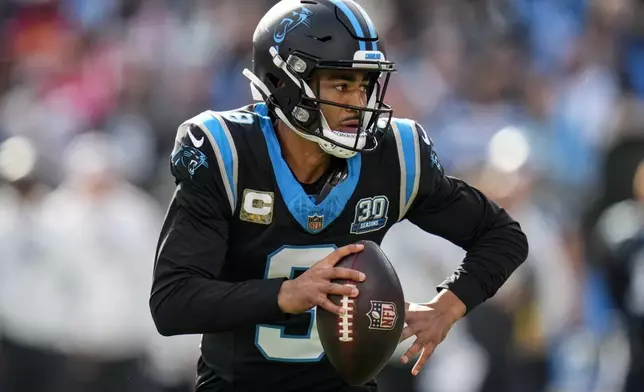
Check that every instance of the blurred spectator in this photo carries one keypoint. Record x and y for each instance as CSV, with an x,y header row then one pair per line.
x,y
102,235
32,289
618,243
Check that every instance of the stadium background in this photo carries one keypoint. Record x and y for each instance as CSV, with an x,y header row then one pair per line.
x,y
537,102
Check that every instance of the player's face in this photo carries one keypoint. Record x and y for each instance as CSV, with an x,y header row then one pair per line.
x,y
342,87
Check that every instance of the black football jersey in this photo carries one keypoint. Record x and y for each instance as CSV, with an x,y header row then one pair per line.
x,y
240,223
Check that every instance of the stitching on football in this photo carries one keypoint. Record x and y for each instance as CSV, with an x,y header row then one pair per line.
x,y
345,321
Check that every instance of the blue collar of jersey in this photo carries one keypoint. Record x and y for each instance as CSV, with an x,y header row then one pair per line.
x,y
312,217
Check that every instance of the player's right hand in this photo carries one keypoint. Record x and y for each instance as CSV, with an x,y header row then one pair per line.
x,y
313,286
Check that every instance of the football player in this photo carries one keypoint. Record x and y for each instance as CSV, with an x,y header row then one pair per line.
x,y
270,196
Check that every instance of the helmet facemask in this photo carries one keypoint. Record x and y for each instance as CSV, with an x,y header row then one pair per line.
x,y
301,110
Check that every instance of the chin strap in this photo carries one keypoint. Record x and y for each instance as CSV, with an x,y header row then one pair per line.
x,y
337,175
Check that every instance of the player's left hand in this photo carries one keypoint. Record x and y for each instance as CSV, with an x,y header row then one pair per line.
x,y
430,323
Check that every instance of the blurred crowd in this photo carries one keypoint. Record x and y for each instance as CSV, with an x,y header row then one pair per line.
x,y
539,103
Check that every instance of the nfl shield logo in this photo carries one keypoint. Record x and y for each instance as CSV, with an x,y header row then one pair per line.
x,y
315,222
382,315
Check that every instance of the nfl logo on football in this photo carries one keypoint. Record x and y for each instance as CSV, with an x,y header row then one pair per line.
x,y
382,315
315,222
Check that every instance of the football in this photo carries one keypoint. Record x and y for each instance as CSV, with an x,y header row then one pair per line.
x,y
360,343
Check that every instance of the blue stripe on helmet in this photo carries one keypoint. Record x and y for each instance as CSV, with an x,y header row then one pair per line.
x,y
370,25
354,21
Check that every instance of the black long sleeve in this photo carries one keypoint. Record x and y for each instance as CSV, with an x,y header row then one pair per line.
x,y
452,209
187,297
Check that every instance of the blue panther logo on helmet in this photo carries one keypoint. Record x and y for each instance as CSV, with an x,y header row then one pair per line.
x,y
189,157
289,24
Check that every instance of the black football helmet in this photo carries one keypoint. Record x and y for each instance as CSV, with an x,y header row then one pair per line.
x,y
296,38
